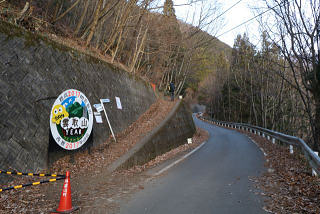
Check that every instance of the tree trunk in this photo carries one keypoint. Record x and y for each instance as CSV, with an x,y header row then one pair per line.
x,y
86,5
316,132
67,11
95,22
140,49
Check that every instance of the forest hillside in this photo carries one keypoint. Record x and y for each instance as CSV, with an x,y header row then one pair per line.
x,y
150,43
274,84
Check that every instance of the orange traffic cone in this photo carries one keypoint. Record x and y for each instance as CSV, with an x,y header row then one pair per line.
x,y
65,205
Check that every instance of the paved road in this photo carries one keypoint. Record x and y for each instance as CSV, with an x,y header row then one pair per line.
x,y
212,180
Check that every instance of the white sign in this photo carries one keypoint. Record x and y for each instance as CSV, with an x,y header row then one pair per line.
x,y
119,106
71,119
98,117
105,100
98,107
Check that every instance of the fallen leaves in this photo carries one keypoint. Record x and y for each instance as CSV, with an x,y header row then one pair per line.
x,y
105,154
288,184
90,185
199,137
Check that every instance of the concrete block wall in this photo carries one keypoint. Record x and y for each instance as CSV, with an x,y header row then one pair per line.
x,y
171,133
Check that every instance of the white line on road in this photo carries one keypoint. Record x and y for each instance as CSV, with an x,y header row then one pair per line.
x,y
178,161
262,150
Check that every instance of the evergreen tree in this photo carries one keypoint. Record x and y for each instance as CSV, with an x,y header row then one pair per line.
x,y
168,9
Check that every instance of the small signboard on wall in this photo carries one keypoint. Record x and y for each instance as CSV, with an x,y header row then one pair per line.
x,y
98,117
71,119
105,100
98,107
119,106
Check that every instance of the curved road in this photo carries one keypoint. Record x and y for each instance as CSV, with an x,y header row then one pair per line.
x,y
215,179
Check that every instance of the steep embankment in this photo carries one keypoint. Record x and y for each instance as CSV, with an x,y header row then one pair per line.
x,y
34,71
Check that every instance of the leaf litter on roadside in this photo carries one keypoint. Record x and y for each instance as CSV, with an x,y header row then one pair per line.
x,y
83,165
288,185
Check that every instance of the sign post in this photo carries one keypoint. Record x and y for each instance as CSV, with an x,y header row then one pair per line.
x,y
105,113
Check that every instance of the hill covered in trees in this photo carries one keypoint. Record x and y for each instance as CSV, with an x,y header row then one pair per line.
x,y
275,84
142,36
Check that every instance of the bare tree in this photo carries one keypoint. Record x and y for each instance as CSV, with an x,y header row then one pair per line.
x,y
181,54
297,29
82,17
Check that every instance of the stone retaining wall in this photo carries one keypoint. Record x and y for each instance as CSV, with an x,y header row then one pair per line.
x,y
34,71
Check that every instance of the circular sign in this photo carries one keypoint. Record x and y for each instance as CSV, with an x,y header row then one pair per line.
x,y
71,119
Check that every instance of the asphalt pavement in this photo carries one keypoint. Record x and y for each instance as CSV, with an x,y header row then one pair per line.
x,y
214,179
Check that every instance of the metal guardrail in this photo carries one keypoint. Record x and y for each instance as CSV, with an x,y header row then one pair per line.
x,y
313,159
